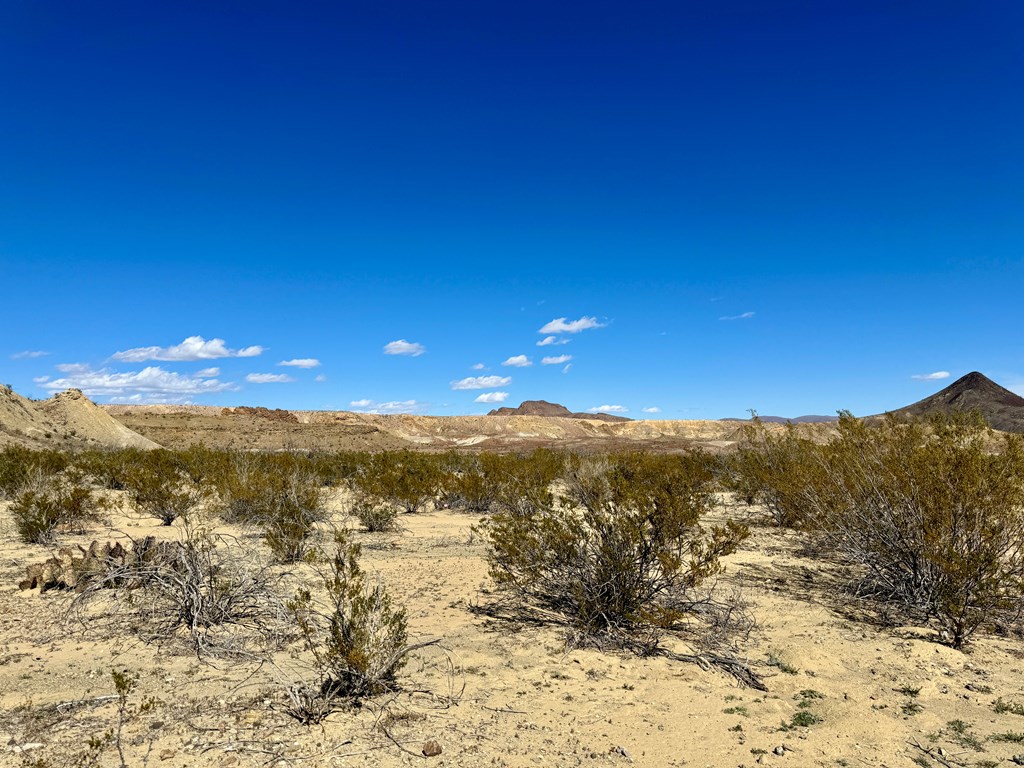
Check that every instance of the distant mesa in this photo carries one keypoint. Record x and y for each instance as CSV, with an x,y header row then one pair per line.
x,y
544,408
787,420
1002,409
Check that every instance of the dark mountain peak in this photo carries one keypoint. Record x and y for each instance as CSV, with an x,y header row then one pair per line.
x,y
544,408
1002,408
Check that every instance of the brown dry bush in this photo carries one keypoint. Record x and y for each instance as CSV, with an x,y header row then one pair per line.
x,y
623,554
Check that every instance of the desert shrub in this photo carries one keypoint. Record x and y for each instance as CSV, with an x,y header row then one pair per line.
x,y
933,512
774,467
49,504
292,507
464,483
166,497
521,483
210,590
356,639
19,465
375,516
623,552
405,478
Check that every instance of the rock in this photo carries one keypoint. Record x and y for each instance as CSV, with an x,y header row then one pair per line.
x,y
780,750
1018,759
622,751
431,749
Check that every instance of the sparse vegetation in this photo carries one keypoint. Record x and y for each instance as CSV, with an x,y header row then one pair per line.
x,y
622,553
49,504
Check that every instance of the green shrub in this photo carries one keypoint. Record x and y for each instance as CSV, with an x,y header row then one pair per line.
x,y
404,478
356,639
623,552
933,511
49,505
376,517
19,466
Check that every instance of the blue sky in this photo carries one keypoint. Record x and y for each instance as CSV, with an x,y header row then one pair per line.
x,y
788,206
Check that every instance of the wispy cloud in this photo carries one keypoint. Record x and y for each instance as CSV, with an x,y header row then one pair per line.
x,y
549,341
301,362
403,347
73,367
566,369
269,378
320,378
556,360
652,409
492,397
478,367
391,407
564,325
482,382
152,383
931,376
40,379
29,354
208,373
518,361
744,316
192,348
608,409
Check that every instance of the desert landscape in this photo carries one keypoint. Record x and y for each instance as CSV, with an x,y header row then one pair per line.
x,y
99,667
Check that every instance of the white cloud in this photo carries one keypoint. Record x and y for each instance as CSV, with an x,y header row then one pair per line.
x,y
268,378
563,325
152,383
301,362
519,361
478,367
72,367
608,409
744,316
208,373
492,397
320,378
652,409
548,341
41,379
566,369
192,348
29,354
403,347
482,382
931,376
390,408
556,360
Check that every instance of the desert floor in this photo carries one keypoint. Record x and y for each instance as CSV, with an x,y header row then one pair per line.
x,y
507,693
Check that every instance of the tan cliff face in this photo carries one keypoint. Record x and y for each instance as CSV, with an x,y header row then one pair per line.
x,y
68,419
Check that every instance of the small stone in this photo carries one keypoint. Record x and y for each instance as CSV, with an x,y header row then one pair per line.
x,y
167,754
780,750
229,760
622,751
1018,759
431,749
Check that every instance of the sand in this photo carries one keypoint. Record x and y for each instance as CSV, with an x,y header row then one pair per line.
x,y
498,692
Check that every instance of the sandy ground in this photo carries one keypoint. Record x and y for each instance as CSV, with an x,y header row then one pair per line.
x,y
513,695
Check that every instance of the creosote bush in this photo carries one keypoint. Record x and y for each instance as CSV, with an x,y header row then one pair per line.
x,y
49,504
357,640
933,512
623,553
404,478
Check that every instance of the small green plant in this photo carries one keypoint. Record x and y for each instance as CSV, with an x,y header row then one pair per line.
x,y
1010,737
960,732
908,690
911,708
802,719
1001,707
356,639
739,710
782,665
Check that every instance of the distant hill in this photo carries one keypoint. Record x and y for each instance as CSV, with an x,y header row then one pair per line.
x,y
68,419
796,420
1003,409
544,408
